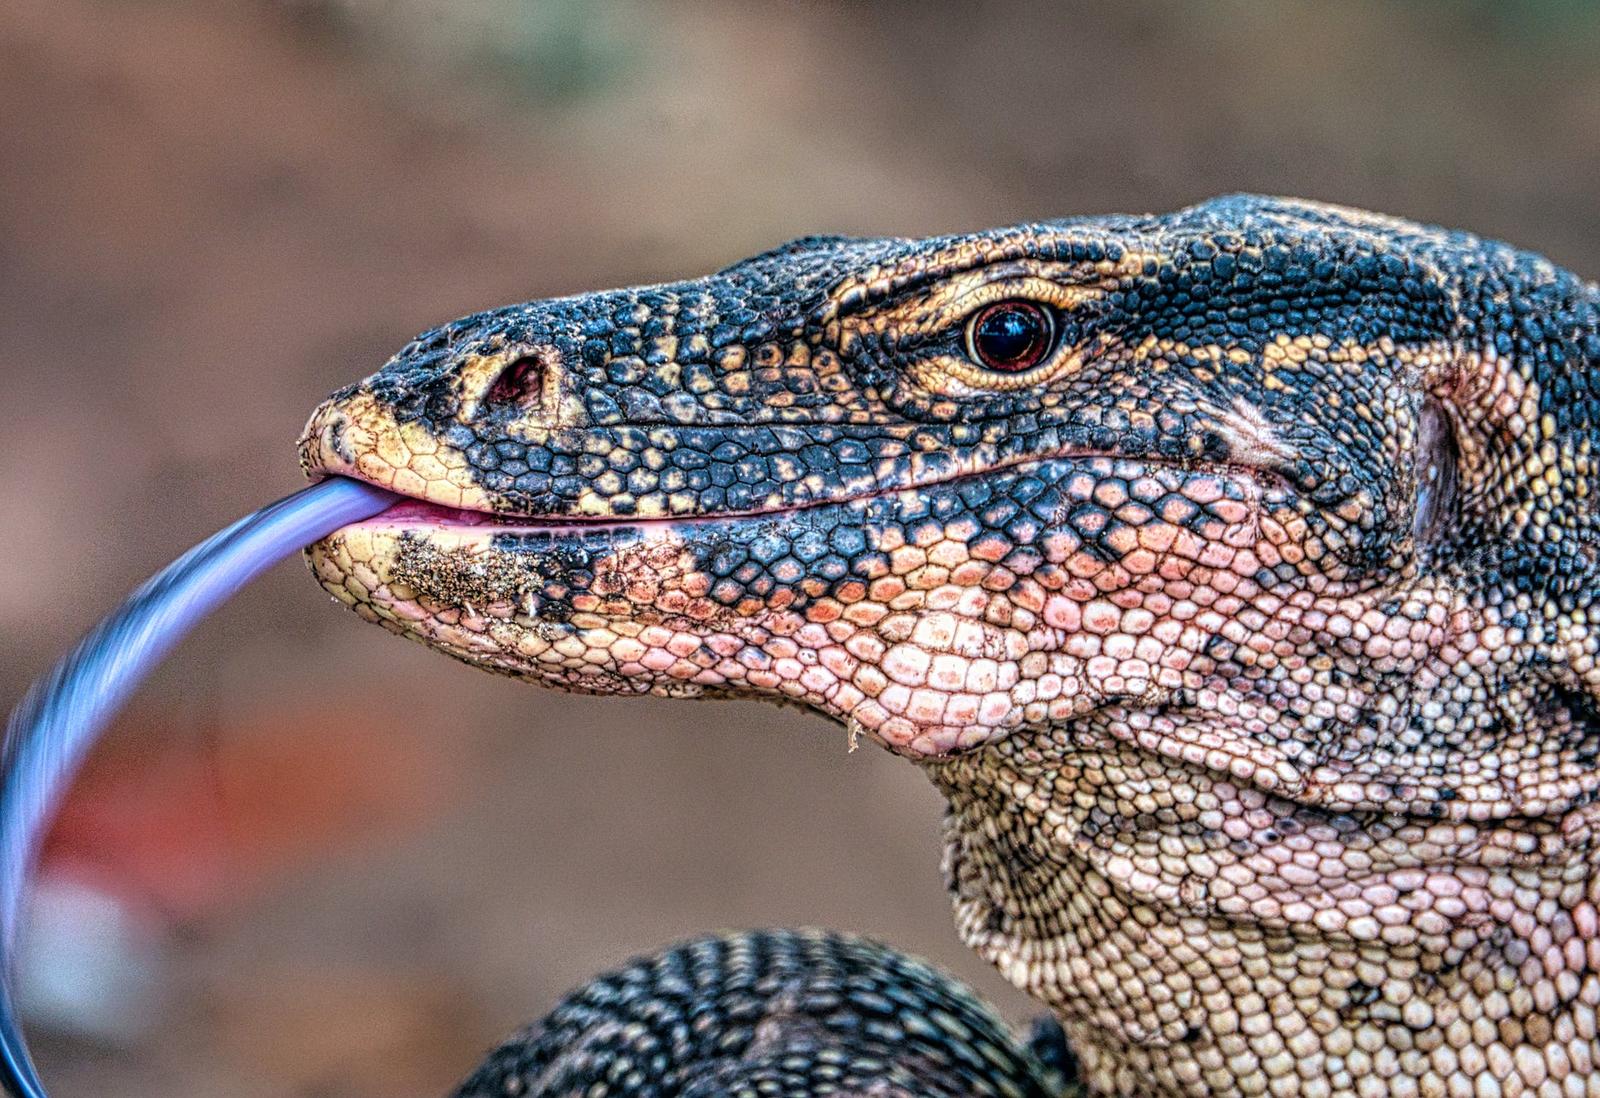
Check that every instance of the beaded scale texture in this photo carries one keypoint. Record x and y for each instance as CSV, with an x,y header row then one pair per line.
x,y
1243,616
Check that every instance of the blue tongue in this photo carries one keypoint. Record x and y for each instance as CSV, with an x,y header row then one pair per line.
x,y
64,713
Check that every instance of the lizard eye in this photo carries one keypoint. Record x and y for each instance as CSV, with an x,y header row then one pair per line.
x,y
1010,336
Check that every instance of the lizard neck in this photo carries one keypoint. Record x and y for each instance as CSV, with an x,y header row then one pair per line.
x,y
1201,938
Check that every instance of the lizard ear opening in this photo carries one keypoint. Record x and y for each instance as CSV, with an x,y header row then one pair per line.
x,y
1437,457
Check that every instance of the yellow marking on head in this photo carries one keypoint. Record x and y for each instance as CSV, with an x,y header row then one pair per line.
x,y
359,436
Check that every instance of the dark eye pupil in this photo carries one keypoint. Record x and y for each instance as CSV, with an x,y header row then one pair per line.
x,y
1011,335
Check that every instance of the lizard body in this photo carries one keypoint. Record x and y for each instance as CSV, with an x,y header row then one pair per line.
x,y
1229,571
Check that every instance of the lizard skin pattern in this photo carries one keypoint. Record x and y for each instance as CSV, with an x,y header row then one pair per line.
x,y
1229,571
769,1014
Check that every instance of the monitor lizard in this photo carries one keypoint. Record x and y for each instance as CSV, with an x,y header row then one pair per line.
x,y
1231,572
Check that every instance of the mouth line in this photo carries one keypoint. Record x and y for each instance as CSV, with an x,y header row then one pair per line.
x,y
417,512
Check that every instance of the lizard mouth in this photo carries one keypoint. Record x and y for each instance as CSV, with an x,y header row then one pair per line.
x,y
420,513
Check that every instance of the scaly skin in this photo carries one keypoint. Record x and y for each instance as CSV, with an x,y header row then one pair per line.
x,y
1248,634
773,1014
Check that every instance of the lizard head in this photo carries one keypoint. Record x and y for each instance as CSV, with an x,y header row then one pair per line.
x,y
1206,553
949,488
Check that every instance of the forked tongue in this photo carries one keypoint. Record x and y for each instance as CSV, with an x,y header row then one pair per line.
x,y
63,714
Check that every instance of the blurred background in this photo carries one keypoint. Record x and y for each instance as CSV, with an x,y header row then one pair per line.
x,y
316,860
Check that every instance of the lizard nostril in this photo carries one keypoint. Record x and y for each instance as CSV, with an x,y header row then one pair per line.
x,y
519,383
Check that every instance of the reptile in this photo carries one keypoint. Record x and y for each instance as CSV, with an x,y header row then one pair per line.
x,y
1231,573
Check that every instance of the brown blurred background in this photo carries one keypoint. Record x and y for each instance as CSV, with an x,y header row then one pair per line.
x,y
317,860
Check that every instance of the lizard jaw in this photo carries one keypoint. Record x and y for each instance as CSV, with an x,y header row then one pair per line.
x,y
941,619
936,618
